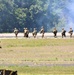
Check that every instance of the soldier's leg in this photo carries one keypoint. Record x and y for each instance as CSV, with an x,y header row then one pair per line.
x,y
34,36
42,35
15,35
55,35
71,35
27,35
62,35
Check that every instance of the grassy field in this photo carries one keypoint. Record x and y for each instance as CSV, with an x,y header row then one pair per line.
x,y
38,56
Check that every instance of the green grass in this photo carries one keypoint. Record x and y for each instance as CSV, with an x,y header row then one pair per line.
x,y
36,42
53,70
39,51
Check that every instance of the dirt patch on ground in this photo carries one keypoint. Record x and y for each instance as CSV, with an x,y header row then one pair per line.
x,y
37,56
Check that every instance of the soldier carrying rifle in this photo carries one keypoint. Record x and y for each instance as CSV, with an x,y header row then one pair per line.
x,y
63,33
34,33
16,32
71,32
42,31
55,32
26,32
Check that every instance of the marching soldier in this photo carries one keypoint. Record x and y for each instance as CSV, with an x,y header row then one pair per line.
x,y
55,32
34,33
16,32
63,33
71,32
26,32
42,31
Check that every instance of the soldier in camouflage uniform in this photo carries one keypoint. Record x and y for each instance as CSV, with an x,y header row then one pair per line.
x,y
16,32
55,32
42,31
26,32
34,33
63,33
71,32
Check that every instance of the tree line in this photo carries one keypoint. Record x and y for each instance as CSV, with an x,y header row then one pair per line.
x,y
32,14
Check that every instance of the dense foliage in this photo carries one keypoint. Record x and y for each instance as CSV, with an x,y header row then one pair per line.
x,y
32,13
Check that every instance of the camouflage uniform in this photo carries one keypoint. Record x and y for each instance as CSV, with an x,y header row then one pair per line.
x,y
71,32
26,32
42,31
34,33
55,32
63,33
16,32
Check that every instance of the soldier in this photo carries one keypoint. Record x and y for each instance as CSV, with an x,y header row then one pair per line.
x,y
42,31
34,33
16,32
71,32
26,32
63,33
55,32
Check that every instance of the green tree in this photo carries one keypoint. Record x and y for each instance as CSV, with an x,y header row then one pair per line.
x,y
32,13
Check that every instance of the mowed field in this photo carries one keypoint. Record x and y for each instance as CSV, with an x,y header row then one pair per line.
x,y
51,56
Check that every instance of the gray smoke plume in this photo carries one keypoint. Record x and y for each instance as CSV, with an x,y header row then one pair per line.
x,y
70,16
65,10
59,14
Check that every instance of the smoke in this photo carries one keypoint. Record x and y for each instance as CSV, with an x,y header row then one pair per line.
x,y
64,10
59,14
70,16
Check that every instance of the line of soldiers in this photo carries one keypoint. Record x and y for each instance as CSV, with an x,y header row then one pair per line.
x,y
42,31
63,33
26,32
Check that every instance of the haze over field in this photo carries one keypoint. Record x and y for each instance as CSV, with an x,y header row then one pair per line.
x,y
36,13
